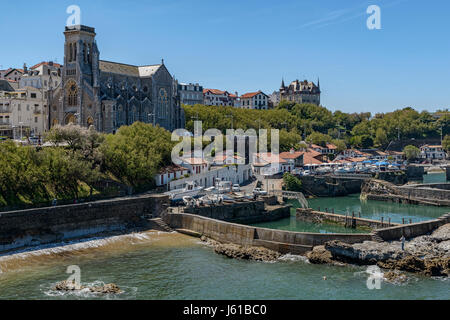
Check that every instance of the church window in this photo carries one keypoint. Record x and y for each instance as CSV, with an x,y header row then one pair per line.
x,y
72,94
163,103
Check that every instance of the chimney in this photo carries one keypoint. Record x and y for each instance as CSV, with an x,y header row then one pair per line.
x,y
25,69
292,151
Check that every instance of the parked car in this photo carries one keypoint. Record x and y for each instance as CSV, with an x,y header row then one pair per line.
x,y
236,188
259,192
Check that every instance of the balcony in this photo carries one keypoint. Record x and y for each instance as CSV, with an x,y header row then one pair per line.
x,y
5,110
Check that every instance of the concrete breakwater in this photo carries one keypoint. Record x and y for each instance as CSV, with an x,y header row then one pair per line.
x,y
351,221
53,224
276,240
411,230
428,194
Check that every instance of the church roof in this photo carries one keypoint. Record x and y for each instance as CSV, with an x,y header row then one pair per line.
x,y
128,70
147,71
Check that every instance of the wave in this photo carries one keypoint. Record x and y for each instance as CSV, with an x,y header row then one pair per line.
x,y
17,260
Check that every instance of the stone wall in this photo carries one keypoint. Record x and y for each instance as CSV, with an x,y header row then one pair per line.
x,y
429,192
246,212
310,215
278,240
414,194
412,230
327,186
53,224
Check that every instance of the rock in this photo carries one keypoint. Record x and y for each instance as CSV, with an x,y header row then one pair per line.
x,y
395,277
71,286
106,289
245,253
319,255
67,286
428,255
409,264
437,267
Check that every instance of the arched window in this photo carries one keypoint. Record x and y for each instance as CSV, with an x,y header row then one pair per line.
x,y
72,94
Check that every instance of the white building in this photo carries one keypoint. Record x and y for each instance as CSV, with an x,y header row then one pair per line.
x,y
170,173
12,74
25,111
44,75
328,149
255,100
432,152
190,94
236,174
267,164
215,97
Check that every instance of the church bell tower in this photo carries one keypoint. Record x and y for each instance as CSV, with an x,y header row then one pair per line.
x,y
80,78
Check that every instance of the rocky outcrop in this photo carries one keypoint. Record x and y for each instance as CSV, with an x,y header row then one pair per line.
x,y
428,255
71,286
244,253
320,255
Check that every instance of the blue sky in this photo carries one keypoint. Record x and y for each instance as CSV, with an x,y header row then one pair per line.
x,y
249,45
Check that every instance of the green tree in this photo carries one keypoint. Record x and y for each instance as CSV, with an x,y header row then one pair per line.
x,y
340,144
291,182
136,153
381,138
411,152
319,138
446,143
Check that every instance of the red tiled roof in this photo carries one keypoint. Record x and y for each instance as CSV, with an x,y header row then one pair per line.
x,y
268,158
12,69
214,91
309,158
251,94
57,65
288,155
331,146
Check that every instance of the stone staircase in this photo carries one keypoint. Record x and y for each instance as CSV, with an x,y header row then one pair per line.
x,y
376,237
161,225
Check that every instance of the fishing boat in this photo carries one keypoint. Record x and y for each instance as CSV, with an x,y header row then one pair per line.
x,y
190,190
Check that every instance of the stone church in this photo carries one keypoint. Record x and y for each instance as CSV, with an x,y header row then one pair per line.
x,y
109,95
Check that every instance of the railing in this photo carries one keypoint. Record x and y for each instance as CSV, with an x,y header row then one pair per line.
x,y
352,175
